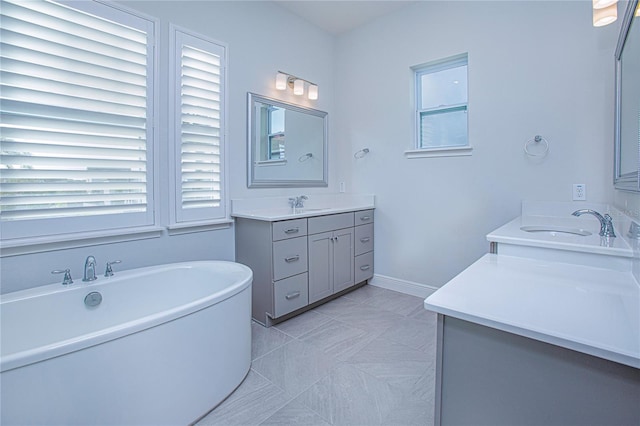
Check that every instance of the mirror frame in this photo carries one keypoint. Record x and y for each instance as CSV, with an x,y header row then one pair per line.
x,y
630,181
290,183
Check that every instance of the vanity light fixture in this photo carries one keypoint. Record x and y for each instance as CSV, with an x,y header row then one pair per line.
x,y
604,12
284,79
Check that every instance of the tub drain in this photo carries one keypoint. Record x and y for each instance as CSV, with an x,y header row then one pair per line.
x,y
93,299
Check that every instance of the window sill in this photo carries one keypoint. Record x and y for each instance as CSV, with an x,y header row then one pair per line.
x,y
269,163
16,247
190,227
445,151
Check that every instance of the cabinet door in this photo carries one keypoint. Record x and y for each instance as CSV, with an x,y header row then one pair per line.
x,y
320,266
343,276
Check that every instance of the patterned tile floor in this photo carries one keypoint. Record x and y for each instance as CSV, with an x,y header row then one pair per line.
x,y
366,358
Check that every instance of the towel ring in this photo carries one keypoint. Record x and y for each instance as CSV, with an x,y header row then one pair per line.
x,y
361,153
535,141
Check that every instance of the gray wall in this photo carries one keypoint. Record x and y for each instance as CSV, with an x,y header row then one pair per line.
x,y
534,68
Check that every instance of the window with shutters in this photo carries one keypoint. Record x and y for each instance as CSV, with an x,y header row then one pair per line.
x,y
441,105
77,112
198,127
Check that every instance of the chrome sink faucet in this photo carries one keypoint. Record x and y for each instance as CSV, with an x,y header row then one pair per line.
x,y
90,269
297,202
606,222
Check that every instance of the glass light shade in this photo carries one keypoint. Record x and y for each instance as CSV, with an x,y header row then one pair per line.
x,y
313,92
298,87
601,4
281,81
605,16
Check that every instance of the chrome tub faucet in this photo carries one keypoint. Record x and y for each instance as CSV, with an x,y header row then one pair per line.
x,y
90,269
606,222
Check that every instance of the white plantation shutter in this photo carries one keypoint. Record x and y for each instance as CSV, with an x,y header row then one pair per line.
x,y
199,70
76,104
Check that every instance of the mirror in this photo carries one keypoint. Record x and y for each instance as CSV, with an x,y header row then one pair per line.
x,y
627,116
287,144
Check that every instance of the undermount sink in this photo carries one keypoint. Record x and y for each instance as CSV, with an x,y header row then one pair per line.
x,y
554,230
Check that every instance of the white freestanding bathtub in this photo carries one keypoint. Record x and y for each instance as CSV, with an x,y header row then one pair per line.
x,y
165,345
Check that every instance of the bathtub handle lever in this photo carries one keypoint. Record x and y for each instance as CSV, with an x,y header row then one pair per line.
x,y
108,272
67,275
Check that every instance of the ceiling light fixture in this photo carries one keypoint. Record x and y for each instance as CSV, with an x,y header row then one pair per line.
x,y
284,79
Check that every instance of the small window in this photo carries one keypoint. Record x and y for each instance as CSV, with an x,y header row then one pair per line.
x,y
441,104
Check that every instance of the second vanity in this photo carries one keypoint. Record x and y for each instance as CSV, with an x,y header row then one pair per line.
x,y
545,329
304,256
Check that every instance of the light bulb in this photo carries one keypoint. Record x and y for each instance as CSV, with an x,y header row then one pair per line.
x,y
298,87
281,81
313,92
601,4
605,16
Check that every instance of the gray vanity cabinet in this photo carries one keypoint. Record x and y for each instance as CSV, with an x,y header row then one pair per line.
x,y
276,252
363,245
301,261
330,263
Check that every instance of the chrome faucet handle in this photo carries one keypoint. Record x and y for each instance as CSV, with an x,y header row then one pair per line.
x,y
108,272
67,275
293,201
300,201
607,227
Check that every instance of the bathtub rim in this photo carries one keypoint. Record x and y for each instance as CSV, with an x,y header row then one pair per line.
x,y
42,353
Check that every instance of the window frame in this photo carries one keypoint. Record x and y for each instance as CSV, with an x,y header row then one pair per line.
x,y
198,219
42,234
419,151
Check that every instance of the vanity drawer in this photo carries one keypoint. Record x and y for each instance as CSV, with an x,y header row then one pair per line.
x,y
289,257
364,216
364,267
290,294
363,239
289,229
330,222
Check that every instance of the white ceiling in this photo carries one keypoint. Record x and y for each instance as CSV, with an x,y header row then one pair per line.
x,y
338,16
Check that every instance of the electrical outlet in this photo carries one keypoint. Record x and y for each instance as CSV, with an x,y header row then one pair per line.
x,y
342,187
579,192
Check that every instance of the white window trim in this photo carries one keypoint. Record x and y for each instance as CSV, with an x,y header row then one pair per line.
x,y
33,245
66,240
438,151
176,226
445,151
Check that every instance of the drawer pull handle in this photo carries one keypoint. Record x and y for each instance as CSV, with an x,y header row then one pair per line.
x,y
292,295
365,240
292,258
363,218
365,267
291,230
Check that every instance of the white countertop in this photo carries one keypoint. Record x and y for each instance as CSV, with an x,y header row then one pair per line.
x,y
590,310
275,208
273,215
594,243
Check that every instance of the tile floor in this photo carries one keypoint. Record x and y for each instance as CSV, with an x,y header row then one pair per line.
x,y
366,358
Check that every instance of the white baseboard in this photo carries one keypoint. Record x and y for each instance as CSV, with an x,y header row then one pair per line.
x,y
402,286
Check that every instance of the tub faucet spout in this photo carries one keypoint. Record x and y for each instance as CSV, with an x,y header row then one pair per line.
x,y
606,222
90,269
